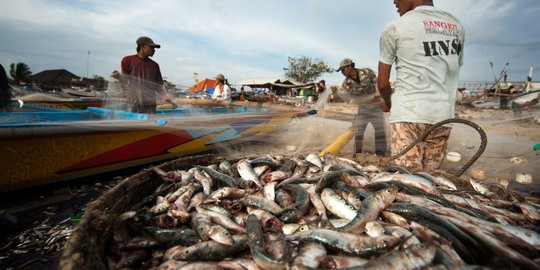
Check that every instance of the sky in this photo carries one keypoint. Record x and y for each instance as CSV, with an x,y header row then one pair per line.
x,y
250,39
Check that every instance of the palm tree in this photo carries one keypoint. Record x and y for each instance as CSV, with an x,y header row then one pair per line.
x,y
20,72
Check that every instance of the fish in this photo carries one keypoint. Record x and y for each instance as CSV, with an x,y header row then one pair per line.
x,y
256,245
348,243
310,255
210,250
269,191
248,178
262,203
412,180
415,257
161,206
201,223
222,220
372,207
220,235
342,262
169,235
227,168
314,159
337,205
222,178
496,246
226,193
301,203
239,264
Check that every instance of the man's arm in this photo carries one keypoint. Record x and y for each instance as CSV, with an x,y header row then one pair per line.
x,y
383,83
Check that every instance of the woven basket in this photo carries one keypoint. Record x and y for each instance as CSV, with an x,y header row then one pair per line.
x,y
88,242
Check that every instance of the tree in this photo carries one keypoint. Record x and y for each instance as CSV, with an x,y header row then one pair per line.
x,y
100,82
305,69
20,73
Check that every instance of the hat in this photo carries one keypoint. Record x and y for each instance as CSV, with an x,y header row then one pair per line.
x,y
322,81
147,41
344,62
220,77
115,74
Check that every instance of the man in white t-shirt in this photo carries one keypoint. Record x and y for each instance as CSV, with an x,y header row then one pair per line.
x,y
222,91
426,45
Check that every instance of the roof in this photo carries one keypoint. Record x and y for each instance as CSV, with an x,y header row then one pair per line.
x,y
258,82
203,85
274,83
54,75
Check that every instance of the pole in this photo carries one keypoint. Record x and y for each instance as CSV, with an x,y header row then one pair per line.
x,y
87,64
340,142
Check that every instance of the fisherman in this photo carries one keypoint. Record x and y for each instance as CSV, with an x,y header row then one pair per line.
x,y
141,77
426,44
222,91
359,88
321,87
5,91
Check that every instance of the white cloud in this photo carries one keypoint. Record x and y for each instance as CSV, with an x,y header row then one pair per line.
x,y
245,39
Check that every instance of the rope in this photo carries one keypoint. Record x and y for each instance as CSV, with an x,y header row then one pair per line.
x,y
423,136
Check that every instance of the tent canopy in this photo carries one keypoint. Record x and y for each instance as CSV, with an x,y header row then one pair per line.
x,y
203,85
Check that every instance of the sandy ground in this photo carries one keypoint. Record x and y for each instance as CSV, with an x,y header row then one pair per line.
x,y
508,138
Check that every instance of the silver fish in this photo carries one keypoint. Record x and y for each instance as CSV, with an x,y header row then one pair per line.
x,y
210,250
372,207
249,178
239,264
348,243
337,205
310,256
415,257
315,160
220,235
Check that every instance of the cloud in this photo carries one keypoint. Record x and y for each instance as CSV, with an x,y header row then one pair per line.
x,y
244,39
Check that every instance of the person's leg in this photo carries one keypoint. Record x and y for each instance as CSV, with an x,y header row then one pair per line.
x,y
435,148
403,134
516,108
377,120
360,123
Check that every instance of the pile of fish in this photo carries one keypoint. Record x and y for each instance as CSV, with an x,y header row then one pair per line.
x,y
279,212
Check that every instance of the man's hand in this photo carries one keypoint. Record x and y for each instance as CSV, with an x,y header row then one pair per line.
x,y
385,107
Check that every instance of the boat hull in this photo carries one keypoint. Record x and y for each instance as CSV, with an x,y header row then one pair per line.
x,y
45,153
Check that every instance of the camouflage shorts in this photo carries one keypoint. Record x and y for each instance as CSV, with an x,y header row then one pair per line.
x,y
427,154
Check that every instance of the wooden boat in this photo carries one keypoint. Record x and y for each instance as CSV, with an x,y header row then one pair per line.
x,y
41,102
51,146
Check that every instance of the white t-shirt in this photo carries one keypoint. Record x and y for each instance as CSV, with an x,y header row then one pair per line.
x,y
222,94
427,46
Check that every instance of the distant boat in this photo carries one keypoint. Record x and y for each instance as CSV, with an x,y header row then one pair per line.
x,y
40,101
51,146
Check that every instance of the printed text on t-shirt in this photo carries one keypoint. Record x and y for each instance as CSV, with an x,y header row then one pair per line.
x,y
441,28
442,47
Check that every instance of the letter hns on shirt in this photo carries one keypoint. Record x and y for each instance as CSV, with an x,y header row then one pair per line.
x,y
442,47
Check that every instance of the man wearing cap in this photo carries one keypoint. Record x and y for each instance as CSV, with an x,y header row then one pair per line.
x,y
359,88
426,44
141,77
222,91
